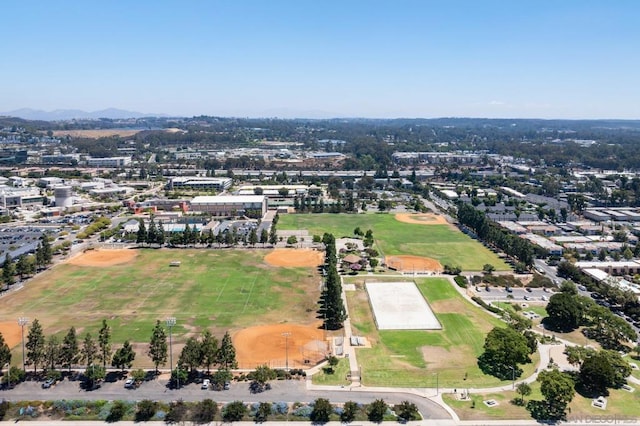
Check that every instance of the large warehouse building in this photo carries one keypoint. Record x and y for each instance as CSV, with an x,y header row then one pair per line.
x,y
231,205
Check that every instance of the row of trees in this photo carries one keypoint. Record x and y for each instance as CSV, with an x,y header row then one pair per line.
x,y
331,303
490,232
50,352
155,234
27,265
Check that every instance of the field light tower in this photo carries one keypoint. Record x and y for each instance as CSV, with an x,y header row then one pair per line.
x,y
22,321
286,335
171,321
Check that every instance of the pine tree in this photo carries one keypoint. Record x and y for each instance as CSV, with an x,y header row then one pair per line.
x,y
264,236
226,355
273,235
89,349
52,352
161,235
253,237
8,270
209,349
152,232
141,237
47,254
158,346
123,357
5,353
35,344
69,351
22,266
104,341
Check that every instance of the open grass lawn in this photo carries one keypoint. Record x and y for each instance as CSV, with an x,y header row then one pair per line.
x,y
621,405
413,357
215,289
442,242
337,378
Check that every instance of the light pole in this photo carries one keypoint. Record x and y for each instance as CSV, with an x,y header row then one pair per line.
x,y
171,321
22,321
286,335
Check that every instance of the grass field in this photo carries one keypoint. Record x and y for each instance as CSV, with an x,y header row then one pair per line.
x,y
441,242
217,289
412,357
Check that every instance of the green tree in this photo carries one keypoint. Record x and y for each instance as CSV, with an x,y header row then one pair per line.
x,y
488,268
204,411
158,346
35,344
407,411
557,389
191,354
70,349
117,412
273,235
565,311
523,389
104,342
52,352
376,411
5,353
145,410
123,357
253,237
8,270
208,349
89,350
603,370
141,237
264,237
226,355
322,410
504,349
44,251
349,411
22,266
262,413
94,373
234,411
177,412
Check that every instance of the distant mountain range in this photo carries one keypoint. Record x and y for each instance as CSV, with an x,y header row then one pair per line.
x,y
69,114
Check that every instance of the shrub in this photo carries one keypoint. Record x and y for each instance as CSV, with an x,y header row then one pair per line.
x,y
303,411
234,411
177,412
117,412
280,408
146,410
4,406
461,281
204,411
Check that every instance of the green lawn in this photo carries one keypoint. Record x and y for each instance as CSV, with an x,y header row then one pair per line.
x,y
337,378
413,357
215,289
442,242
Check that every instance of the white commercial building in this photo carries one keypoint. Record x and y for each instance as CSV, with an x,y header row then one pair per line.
x,y
231,205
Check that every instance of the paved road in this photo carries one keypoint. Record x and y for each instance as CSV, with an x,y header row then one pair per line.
x,y
288,391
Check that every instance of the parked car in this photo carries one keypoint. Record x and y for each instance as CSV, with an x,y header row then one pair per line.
x,y
509,289
205,384
48,383
130,383
544,298
227,385
529,289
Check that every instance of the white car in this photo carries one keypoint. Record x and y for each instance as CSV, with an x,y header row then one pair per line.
x,y
130,383
205,384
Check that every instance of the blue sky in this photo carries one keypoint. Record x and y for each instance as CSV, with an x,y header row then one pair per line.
x,y
324,58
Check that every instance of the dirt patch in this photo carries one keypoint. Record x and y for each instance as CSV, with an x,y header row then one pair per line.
x,y
413,263
11,332
294,258
421,218
102,258
304,347
97,133
438,357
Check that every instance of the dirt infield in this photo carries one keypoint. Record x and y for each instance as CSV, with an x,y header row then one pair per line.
x,y
266,344
11,332
421,219
294,257
103,257
413,263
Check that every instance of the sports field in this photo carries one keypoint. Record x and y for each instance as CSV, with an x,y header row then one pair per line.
x,y
217,289
413,357
441,242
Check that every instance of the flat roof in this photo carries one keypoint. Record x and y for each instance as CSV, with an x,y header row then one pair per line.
x,y
400,306
227,199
